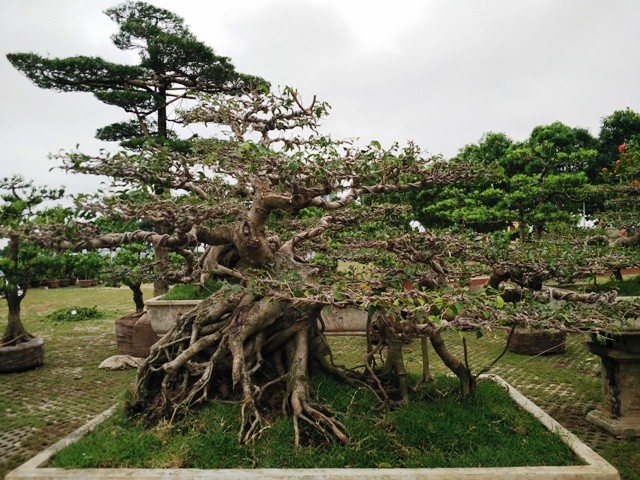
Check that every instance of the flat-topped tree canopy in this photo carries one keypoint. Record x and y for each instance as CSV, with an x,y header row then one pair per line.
x,y
173,65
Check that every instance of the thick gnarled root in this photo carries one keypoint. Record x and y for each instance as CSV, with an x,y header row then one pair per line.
x,y
236,346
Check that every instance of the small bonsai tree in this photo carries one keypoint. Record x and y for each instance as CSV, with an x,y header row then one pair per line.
x,y
131,265
18,214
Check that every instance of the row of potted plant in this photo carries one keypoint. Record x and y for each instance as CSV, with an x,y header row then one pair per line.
x,y
65,269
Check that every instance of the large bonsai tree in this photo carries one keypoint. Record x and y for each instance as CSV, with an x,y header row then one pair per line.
x,y
272,205
275,206
20,200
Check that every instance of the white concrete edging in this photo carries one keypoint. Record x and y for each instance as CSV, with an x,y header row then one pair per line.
x,y
595,467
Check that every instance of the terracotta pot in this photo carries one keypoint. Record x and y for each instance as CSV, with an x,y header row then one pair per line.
x,y
537,342
134,335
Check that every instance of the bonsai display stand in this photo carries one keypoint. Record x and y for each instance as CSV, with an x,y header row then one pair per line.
x,y
620,411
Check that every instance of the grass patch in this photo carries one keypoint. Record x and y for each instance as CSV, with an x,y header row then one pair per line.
x,y
626,457
190,291
489,431
75,314
628,287
71,389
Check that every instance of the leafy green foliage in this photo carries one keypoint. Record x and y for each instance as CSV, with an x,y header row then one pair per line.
x,y
193,292
89,265
621,188
173,64
622,126
75,314
537,183
131,264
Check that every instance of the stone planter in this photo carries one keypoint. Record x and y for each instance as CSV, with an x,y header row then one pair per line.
x,y
53,283
537,342
23,356
620,356
134,335
85,283
337,321
592,466
164,313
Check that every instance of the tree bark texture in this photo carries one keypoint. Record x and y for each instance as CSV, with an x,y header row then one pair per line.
x,y
15,331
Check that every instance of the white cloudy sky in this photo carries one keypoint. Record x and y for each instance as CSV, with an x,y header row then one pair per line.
x,y
439,72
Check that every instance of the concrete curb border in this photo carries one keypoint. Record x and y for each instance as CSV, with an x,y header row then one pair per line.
x,y
595,467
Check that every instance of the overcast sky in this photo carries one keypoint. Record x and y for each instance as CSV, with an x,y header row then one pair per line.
x,y
439,72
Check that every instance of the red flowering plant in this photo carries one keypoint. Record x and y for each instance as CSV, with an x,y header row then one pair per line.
x,y
627,167
622,182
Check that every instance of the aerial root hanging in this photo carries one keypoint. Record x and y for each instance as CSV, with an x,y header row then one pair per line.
x,y
251,422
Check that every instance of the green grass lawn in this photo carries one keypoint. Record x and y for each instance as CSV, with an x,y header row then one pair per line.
x,y
487,431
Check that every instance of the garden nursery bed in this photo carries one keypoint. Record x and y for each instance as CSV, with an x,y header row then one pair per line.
x,y
486,437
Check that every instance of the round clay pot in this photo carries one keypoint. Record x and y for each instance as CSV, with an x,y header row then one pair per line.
x,y
537,342
23,356
134,335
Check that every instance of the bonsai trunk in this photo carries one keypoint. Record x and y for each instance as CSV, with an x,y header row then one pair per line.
x,y
467,381
236,345
522,226
537,232
160,284
138,296
394,367
15,331
617,274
